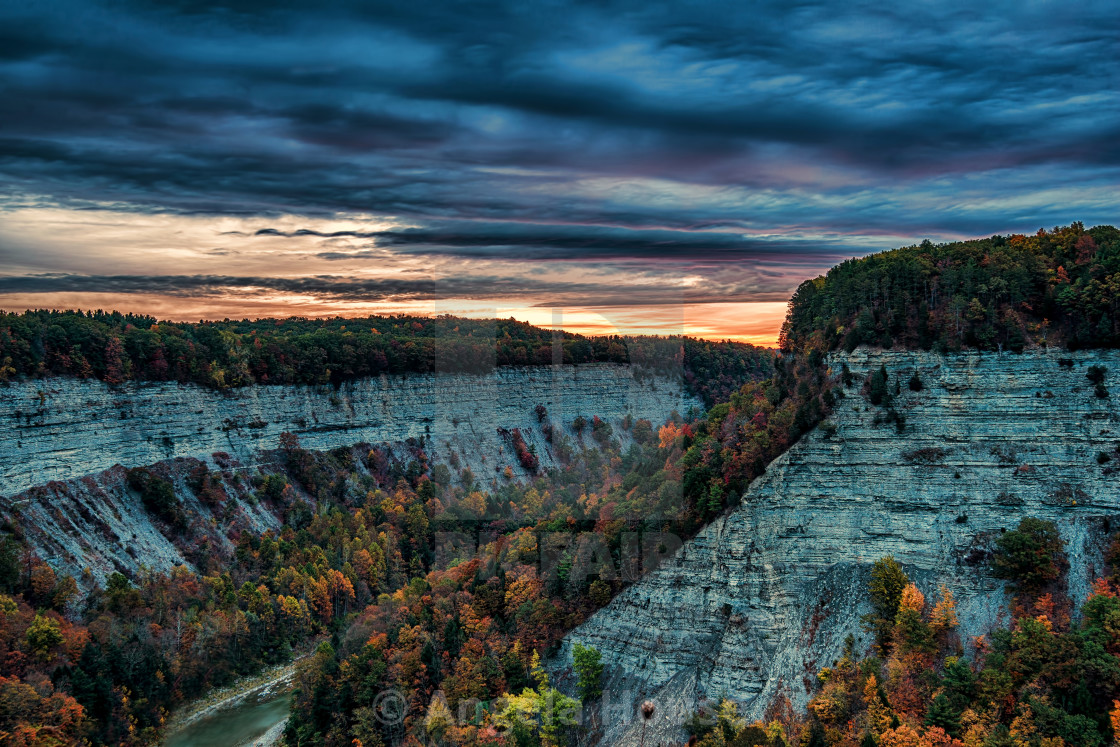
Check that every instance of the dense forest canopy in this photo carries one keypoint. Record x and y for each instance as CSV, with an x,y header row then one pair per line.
x,y
117,347
1058,287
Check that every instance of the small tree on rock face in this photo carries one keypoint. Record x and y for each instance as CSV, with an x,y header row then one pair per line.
x,y
1030,556
877,390
1096,375
589,666
912,633
887,583
944,615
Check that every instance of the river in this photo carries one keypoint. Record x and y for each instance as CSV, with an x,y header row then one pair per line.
x,y
251,712
239,724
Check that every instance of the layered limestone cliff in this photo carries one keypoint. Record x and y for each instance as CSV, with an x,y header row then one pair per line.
x,y
67,444
59,429
763,598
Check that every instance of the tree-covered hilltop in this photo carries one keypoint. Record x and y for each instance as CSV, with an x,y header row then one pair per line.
x,y
1059,287
116,347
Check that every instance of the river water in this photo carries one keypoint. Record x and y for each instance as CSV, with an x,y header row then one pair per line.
x,y
234,726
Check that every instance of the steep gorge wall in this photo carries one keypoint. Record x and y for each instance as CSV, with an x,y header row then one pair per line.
x,y
59,429
764,597
67,444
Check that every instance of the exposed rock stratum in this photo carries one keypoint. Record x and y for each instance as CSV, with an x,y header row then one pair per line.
x,y
67,444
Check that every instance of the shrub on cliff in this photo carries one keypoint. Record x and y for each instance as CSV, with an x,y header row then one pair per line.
x,y
1096,375
158,495
526,455
601,430
877,391
1031,556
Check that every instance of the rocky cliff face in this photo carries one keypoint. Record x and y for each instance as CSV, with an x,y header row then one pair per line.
x,y
67,443
64,428
761,599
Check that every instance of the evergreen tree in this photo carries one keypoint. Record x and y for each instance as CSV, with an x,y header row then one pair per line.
x,y
942,713
877,390
887,583
1030,556
589,666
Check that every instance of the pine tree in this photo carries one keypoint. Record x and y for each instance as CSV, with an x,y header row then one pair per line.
x,y
877,390
959,682
942,713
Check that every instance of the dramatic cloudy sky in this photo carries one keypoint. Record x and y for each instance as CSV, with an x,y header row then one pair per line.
x,y
605,165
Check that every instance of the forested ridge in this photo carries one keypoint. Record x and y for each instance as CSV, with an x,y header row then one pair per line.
x,y
116,347
1059,287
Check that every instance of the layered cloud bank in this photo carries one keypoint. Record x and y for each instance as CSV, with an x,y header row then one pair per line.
x,y
245,158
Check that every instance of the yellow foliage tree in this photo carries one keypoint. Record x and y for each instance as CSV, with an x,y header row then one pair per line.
x,y
944,616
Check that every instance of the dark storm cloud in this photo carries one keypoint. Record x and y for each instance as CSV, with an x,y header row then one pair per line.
x,y
335,288
554,242
803,119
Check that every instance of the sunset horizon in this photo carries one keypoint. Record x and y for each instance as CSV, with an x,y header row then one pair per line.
x,y
761,326
679,169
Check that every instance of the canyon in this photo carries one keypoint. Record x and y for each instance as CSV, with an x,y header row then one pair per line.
x,y
751,608
764,597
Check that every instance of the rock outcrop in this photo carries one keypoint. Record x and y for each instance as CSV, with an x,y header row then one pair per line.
x,y
64,454
763,598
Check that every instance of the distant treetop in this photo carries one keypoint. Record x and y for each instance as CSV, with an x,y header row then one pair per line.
x,y
1058,287
116,347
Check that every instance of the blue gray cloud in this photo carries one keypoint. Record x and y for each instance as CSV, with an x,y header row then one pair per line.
x,y
689,134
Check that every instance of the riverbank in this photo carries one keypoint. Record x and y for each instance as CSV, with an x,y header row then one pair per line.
x,y
269,682
270,738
